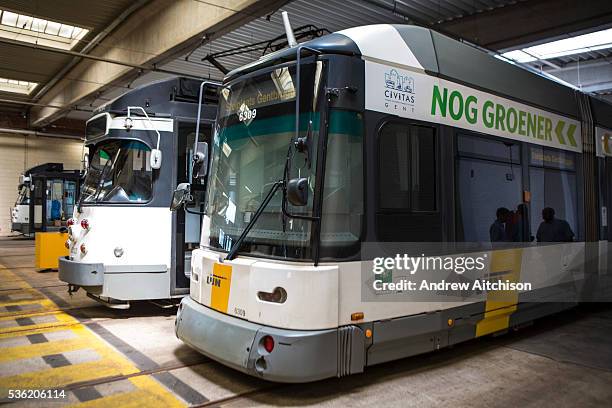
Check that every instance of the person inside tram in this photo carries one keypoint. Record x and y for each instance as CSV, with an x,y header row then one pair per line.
x,y
553,229
519,224
498,232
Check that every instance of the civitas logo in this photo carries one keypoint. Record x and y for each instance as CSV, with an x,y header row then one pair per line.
x,y
399,92
394,80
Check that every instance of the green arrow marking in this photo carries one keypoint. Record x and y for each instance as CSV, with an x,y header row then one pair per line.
x,y
559,130
570,135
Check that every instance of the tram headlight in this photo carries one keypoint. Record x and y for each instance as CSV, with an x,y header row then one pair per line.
x,y
83,249
118,252
278,295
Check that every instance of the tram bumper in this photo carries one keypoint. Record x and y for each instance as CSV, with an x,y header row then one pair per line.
x,y
297,356
80,273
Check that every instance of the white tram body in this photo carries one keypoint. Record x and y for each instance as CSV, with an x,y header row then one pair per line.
x,y
125,244
20,215
290,306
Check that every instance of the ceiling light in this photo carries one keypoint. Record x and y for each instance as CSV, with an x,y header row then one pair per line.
x,y
16,86
568,46
21,27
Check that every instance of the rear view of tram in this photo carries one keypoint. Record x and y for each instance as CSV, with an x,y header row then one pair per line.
x,y
124,243
340,142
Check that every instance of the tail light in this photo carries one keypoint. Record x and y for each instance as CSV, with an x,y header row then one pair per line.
x,y
83,249
85,224
268,343
70,222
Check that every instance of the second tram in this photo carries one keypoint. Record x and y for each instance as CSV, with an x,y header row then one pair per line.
x,y
46,199
125,244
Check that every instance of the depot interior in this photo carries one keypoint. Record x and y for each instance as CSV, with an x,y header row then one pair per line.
x,y
62,61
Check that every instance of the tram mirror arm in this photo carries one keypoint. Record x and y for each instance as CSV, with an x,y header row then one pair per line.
x,y
200,149
302,144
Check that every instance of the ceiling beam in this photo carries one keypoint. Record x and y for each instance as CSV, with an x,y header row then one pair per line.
x,y
152,35
529,22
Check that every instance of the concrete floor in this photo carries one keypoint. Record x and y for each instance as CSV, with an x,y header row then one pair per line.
x,y
104,357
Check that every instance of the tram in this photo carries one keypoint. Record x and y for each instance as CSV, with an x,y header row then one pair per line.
x,y
125,245
46,197
378,135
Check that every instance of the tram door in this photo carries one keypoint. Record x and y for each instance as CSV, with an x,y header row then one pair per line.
x,y
188,224
37,199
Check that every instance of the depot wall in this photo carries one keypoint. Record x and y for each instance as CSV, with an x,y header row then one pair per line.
x,y
18,153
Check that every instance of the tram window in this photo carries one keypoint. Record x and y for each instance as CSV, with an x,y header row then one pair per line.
x,y
406,163
69,197
553,184
55,195
343,186
120,171
489,187
488,149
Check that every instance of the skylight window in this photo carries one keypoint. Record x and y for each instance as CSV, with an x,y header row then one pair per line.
x,y
30,29
15,86
598,40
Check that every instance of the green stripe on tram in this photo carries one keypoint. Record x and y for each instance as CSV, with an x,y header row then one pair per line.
x,y
341,122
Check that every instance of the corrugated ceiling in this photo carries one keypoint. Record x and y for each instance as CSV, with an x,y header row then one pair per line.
x,y
332,15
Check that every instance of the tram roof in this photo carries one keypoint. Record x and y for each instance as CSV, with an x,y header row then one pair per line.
x,y
177,96
45,168
439,55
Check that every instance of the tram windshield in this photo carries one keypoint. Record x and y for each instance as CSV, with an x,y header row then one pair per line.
x,y
256,123
119,171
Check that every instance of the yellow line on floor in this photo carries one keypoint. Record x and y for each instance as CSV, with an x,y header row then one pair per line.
x,y
44,302
62,376
42,349
147,395
62,320
110,364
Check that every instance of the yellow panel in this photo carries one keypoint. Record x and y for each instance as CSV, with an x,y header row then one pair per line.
x,y
221,283
48,248
501,304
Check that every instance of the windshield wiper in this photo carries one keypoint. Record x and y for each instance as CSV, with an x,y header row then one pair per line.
x,y
234,249
95,194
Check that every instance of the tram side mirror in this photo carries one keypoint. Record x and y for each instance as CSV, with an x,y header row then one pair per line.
x,y
156,158
297,191
200,161
181,195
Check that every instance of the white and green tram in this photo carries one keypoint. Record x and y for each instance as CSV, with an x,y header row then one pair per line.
x,y
388,134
